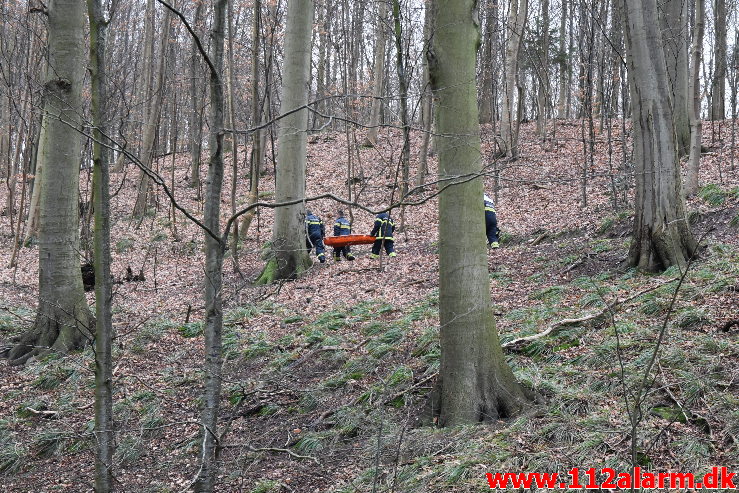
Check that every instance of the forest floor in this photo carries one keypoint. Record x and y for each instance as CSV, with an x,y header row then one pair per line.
x,y
326,376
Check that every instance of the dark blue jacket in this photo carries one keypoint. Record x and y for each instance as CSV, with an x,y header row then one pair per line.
x,y
383,228
342,227
314,226
489,206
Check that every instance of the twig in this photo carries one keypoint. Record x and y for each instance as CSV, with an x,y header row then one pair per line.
x,y
272,449
555,327
540,238
411,388
46,414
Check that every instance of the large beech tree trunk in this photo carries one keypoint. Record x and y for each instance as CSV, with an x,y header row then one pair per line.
x,y
662,236
63,320
288,235
475,383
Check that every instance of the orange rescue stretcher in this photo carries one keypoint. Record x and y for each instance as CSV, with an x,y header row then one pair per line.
x,y
346,240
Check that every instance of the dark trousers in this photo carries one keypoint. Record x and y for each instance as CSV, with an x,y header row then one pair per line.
x,y
389,246
317,242
345,251
491,226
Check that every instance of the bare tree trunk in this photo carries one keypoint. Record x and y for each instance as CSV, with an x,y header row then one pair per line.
x,y
696,125
400,65
378,73
323,51
288,235
63,319
718,85
196,111
32,222
542,99
475,383
427,116
234,135
257,151
104,427
214,250
487,62
513,90
662,236
153,114
674,28
562,100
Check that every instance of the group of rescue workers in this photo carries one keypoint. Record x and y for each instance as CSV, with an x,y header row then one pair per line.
x,y
382,230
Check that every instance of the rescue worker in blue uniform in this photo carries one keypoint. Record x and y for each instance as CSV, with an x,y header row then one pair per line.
x,y
342,227
315,232
491,223
383,233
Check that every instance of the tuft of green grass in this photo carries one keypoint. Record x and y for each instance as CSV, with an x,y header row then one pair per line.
x,y
456,472
49,443
692,318
314,336
373,328
602,245
258,346
309,443
11,457
124,244
332,320
191,329
266,487
129,450
52,377
551,294
401,374
712,194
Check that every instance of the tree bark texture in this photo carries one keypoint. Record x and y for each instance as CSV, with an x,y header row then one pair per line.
x,y
675,40
288,236
542,97
427,116
196,111
400,66
718,86
513,91
214,251
487,61
63,320
662,236
475,383
563,67
694,92
152,119
104,436
378,72
257,152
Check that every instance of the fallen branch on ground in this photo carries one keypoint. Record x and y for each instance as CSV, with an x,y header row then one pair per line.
x,y
271,449
567,322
